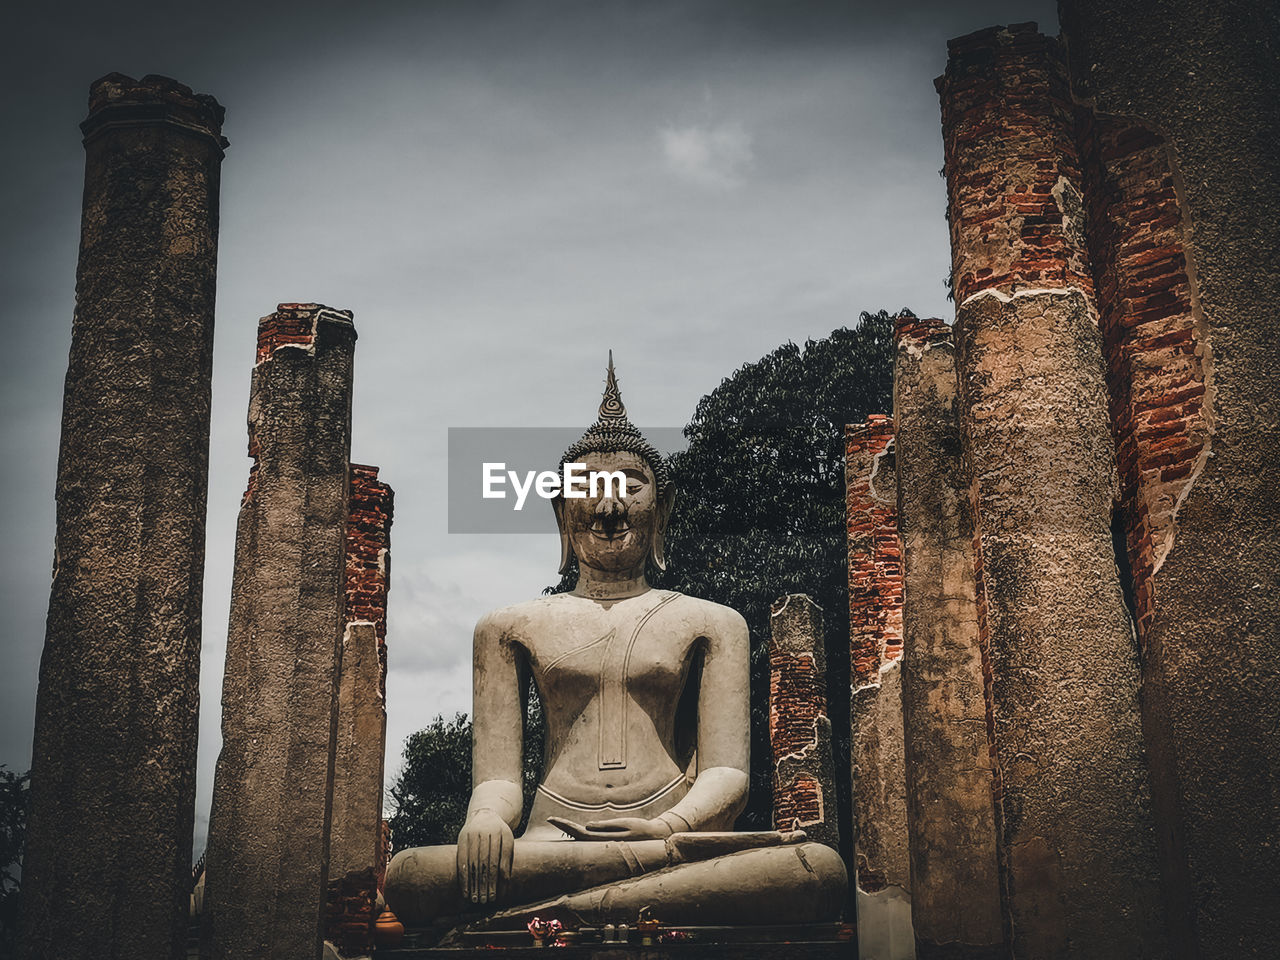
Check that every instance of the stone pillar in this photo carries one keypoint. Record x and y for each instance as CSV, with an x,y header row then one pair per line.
x,y
875,635
107,871
269,826
1077,832
355,845
1195,268
946,668
804,789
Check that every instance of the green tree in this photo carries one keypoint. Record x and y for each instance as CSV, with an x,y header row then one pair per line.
x,y
761,505
430,793
13,828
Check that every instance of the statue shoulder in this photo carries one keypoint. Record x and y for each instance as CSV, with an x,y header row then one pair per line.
x,y
725,622
517,616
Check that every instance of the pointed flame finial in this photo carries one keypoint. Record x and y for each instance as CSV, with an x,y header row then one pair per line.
x,y
613,432
612,412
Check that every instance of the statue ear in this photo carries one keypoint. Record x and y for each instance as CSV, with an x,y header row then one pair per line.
x,y
566,551
661,517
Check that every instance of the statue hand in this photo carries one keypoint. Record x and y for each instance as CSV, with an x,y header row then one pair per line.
x,y
485,849
621,828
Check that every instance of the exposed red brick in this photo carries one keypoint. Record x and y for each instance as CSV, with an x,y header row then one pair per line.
x,y
875,556
349,913
799,803
372,505
1019,152
350,905
921,331
291,324
1012,168
796,700
1154,354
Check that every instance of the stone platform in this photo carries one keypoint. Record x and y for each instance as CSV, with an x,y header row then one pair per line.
x,y
794,942
812,950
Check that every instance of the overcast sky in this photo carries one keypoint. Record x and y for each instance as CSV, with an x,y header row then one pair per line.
x,y
500,191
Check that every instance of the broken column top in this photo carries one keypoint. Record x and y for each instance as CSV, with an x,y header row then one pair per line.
x,y
796,624
871,434
116,100
974,50
921,330
296,325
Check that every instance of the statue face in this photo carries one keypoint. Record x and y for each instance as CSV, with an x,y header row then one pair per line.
x,y
608,533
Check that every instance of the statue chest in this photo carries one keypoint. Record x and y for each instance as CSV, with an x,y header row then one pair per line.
x,y
620,670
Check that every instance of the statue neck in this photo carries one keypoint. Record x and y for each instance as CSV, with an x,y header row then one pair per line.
x,y
601,585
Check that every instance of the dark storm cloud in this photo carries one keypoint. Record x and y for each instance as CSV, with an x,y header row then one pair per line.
x,y
502,191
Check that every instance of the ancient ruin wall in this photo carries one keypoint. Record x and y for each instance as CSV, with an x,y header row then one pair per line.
x,y
1156,352
269,826
108,850
1014,201
946,668
804,788
1079,862
875,561
875,637
355,849
1203,77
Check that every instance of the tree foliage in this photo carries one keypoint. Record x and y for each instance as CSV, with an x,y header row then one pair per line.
x,y
760,510
430,793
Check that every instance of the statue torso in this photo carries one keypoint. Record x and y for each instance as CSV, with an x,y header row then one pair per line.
x,y
611,676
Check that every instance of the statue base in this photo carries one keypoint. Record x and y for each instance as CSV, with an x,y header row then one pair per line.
x,y
814,941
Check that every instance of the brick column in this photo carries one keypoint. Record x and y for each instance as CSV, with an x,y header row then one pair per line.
x,y
946,669
1078,840
355,845
804,790
875,638
108,851
269,826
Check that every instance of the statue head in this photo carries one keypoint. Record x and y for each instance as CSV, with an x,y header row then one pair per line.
x,y
611,534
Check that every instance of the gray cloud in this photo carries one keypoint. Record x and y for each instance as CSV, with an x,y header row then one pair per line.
x,y
716,156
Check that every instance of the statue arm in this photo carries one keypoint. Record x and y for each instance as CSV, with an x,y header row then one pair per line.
x,y
497,726
486,843
719,792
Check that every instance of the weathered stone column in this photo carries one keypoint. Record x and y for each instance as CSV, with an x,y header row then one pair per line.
x,y
1192,256
1078,840
804,789
946,670
269,826
875,637
355,844
108,850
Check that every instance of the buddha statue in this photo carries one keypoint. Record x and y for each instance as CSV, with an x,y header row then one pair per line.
x,y
646,698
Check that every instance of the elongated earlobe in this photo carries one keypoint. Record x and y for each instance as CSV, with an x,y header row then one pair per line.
x,y
566,551
661,517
